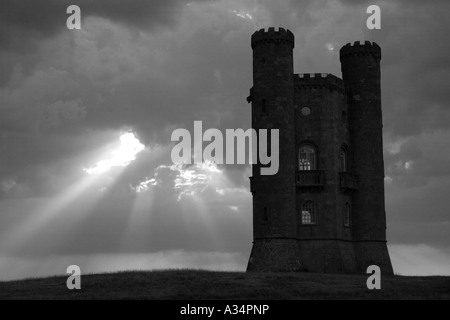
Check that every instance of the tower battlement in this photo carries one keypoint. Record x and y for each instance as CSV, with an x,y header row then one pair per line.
x,y
319,80
358,49
271,35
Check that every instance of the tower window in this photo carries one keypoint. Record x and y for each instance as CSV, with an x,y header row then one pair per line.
x,y
344,116
306,111
343,159
307,158
308,213
347,215
266,215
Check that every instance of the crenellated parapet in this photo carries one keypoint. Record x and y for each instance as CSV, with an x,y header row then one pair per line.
x,y
307,81
359,50
273,36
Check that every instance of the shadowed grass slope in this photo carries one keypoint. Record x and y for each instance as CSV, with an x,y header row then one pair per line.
x,y
190,284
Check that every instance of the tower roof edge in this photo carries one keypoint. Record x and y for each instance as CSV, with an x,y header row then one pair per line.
x,y
272,35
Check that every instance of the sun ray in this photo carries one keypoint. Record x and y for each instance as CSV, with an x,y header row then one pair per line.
x,y
42,217
86,189
140,218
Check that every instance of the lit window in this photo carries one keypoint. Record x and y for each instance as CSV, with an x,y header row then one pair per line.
x,y
307,158
347,215
308,213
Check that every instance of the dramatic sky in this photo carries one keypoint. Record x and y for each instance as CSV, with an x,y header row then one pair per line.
x,y
76,103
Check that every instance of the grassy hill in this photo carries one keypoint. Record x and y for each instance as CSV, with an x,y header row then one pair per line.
x,y
188,284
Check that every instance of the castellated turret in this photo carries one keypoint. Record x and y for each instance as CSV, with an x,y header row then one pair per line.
x,y
362,76
324,210
275,216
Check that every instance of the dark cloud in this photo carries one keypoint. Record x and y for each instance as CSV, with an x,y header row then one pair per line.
x,y
32,18
25,24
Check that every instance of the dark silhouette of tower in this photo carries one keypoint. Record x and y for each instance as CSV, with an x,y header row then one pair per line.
x,y
274,196
324,210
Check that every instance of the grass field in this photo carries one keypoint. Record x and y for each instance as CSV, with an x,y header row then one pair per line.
x,y
189,284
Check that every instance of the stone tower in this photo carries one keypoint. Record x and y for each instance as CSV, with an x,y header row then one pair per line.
x,y
324,210
274,196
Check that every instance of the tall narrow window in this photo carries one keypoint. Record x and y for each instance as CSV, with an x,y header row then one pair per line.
x,y
308,213
307,158
266,215
344,116
343,160
347,215
264,107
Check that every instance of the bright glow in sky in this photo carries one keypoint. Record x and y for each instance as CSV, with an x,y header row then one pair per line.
x,y
144,185
199,175
243,15
190,180
126,153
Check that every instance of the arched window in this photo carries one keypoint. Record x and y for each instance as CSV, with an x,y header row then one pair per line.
x,y
308,213
343,160
307,158
347,215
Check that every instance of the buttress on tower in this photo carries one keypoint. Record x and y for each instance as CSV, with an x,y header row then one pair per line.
x,y
324,211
